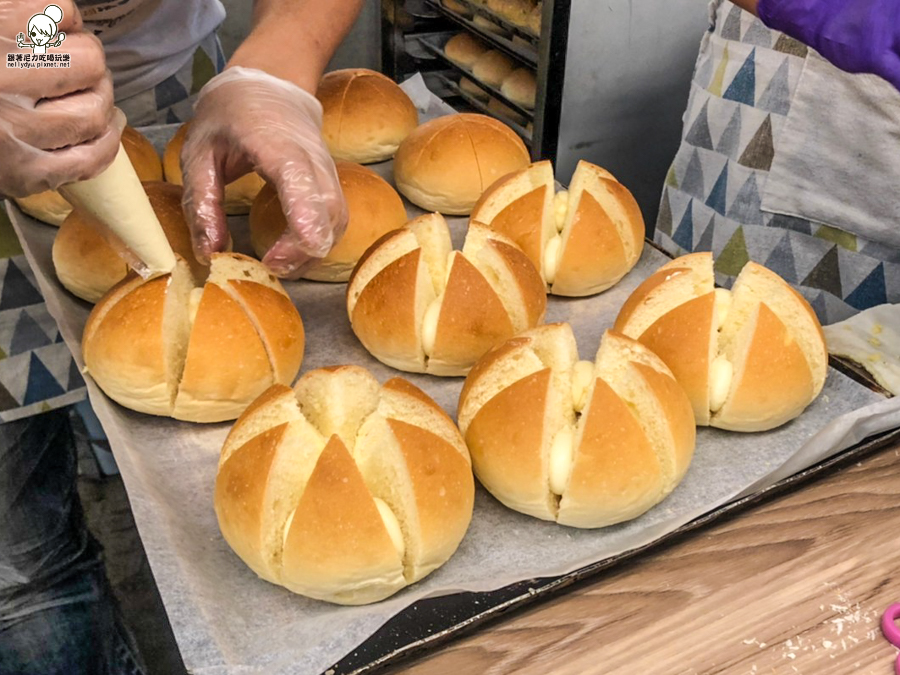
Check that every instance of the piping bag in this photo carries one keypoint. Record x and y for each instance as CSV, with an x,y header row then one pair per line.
x,y
118,201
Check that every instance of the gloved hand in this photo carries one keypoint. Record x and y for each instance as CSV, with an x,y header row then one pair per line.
x,y
56,124
859,36
248,120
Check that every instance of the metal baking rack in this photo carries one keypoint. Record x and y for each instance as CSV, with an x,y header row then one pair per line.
x,y
481,106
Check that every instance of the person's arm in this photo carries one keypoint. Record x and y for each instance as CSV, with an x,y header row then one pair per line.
x,y
748,5
261,114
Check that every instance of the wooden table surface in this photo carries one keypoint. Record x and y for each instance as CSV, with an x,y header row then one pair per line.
x,y
796,584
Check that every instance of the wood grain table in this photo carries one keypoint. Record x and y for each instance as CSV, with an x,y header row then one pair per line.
x,y
796,584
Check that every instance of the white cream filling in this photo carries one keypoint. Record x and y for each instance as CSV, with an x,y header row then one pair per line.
x,y
720,373
194,303
552,254
562,456
723,306
430,325
287,527
582,377
392,525
560,208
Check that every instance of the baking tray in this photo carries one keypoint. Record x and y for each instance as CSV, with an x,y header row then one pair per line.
x,y
434,43
527,54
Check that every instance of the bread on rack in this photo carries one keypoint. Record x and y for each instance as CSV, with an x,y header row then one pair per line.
x,y
750,359
514,11
365,115
533,21
520,87
239,194
583,240
201,353
417,305
586,444
374,206
343,490
486,24
52,208
472,89
492,67
458,7
497,107
88,266
447,163
463,49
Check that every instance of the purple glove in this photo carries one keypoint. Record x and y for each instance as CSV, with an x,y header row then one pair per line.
x,y
859,36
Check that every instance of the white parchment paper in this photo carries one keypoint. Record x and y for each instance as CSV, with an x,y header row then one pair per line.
x,y
226,620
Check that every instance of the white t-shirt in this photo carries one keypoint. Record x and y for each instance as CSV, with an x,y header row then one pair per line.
x,y
147,41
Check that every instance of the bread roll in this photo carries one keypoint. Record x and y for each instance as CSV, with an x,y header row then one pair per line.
x,y
366,115
463,49
533,21
585,444
375,209
492,66
472,89
419,306
457,7
514,11
201,354
497,107
342,490
520,87
52,208
486,24
583,240
750,359
239,194
447,163
88,266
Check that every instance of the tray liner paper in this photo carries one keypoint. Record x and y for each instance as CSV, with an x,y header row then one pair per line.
x,y
226,620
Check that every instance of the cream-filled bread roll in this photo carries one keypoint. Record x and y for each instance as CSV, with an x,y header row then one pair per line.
x,y
750,359
89,267
365,115
464,49
417,305
239,194
447,163
583,443
344,490
201,353
583,240
374,207
52,208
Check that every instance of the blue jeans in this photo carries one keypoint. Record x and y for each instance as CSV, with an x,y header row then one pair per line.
x,y
57,612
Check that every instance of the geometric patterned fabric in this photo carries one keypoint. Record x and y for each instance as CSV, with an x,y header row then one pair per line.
x,y
741,93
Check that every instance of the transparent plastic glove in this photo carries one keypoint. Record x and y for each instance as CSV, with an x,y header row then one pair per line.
x,y
859,36
56,124
248,120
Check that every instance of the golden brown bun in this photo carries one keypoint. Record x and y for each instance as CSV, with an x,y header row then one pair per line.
x,y
464,49
593,444
497,107
533,21
366,115
157,348
488,25
599,230
447,163
418,306
520,87
239,194
52,208
301,471
375,208
88,266
762,334
457,7
492,66
473,89
514,11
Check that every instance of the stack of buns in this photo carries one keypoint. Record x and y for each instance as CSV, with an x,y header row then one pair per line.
x,y
343,490
365,115
374,207
52,208
239,194
750,359
419,306
583,240
585,444
447,163
88,266
200,353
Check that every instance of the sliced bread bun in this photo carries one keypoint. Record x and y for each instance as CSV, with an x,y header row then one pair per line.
x,y
239,194
88,266
343,490
365,115
464,49
374,206
52,208
447,163
750,359
197,353
417,305
585,444
583,240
